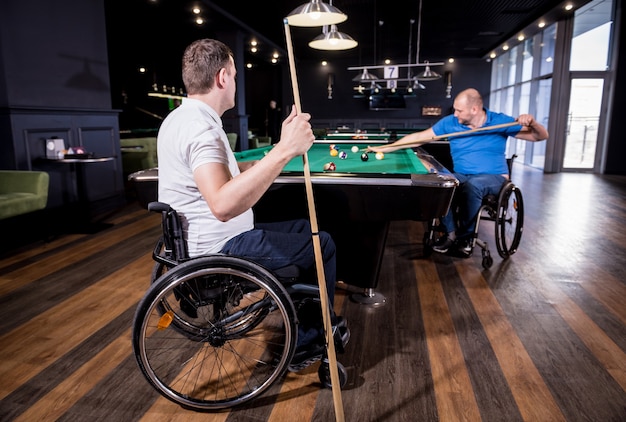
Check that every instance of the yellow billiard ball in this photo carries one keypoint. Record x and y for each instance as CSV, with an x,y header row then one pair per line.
x,y
334,152
380,155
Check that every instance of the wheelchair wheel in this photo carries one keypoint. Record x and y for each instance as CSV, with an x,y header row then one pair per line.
x,y
214,332
509,220
157,271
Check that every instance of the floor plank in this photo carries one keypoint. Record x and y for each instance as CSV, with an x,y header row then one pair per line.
x,y
538,337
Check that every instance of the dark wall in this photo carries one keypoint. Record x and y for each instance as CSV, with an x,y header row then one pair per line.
x,y
313,82
54,83
54,54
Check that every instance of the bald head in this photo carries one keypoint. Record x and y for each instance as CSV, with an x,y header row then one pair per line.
x,y
468,108
471,98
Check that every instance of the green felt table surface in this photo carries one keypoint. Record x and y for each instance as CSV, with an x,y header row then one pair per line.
x,y
401,162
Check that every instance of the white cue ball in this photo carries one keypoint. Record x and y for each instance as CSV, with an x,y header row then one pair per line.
x,y
355,149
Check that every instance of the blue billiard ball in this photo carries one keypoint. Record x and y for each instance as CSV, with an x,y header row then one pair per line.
x,y
343,155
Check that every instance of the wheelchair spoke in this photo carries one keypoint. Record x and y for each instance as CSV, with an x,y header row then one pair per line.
x,y
232,333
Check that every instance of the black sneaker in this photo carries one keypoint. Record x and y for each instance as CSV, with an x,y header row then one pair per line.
x,y
443,245
307,355
464,248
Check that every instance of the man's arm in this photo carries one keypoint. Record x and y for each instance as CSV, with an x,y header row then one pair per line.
x,y
414,139
229,196
245,165
531,129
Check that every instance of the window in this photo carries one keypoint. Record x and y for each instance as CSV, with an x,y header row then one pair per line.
x,y
592,35
548,40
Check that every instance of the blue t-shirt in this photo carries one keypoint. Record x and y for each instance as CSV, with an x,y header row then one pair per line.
x,y
481,152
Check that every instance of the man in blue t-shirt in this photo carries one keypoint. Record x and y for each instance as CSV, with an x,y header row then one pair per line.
x,y
479,159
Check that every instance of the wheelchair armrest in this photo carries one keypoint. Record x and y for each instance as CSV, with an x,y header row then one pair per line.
x,y
158,206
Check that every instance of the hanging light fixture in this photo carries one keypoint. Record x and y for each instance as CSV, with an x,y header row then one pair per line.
x,y
333,40
365,76
417,84
413,82
426,74
316,13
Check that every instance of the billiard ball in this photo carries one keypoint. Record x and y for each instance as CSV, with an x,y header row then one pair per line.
x,y
355,149
330,166
332,146
365,156
380,155
334,152
343,155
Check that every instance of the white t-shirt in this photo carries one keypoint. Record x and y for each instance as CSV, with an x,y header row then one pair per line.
x,y
190,136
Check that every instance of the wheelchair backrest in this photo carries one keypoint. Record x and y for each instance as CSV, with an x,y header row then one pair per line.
x,y
175,246
509,163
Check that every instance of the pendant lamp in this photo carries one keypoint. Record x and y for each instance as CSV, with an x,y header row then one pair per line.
x,y
426,74
333,40
315,13
365,76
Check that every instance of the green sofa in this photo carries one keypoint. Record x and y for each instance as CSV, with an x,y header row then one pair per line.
x,y
138,154
22,192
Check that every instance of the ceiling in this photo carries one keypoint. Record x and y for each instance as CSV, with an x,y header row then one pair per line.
x,y
468,29
154,33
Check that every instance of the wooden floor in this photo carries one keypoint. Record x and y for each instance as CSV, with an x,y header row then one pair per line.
x,y
539,337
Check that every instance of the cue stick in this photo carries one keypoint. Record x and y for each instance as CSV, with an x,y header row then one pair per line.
x,y
317,247
408,144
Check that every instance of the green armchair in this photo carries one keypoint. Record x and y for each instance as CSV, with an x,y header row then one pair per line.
x,y
138,154
22,192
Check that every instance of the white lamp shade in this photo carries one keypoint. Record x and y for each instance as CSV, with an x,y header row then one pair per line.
x,y
333,40
315,13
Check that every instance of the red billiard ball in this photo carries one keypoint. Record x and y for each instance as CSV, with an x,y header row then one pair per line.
x,y
330,166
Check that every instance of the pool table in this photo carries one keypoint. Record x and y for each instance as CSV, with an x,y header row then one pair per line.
x,y
355,203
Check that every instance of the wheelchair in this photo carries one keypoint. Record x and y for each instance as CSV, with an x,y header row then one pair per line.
x,y
506,210
217,331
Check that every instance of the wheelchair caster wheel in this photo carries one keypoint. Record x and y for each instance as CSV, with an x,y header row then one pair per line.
x,y
324,374
428,245
487,260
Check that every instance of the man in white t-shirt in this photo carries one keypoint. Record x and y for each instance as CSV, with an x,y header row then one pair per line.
x,y
213,194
